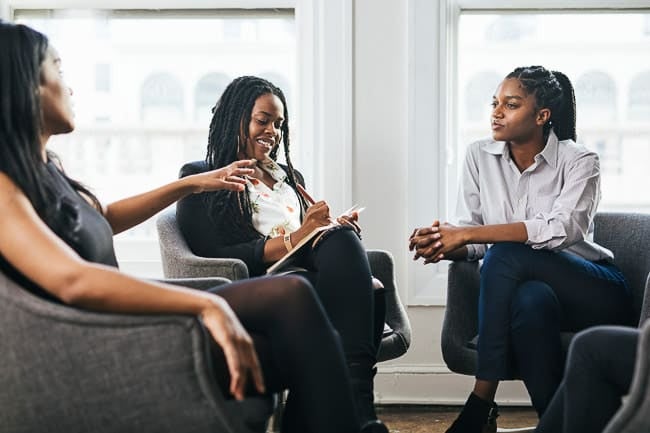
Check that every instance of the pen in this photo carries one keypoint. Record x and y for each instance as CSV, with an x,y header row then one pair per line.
x,y
305,194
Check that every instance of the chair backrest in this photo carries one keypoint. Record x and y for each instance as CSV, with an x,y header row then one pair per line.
x,y
627,235
179,261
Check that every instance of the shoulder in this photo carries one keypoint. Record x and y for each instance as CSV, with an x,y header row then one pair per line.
x,y
9,191
194,167
572,153
299,177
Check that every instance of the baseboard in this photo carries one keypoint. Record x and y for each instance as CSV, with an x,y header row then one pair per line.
x,y
435,384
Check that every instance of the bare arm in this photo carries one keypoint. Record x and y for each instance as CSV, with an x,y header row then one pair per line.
x,y
129,212
55,267
445,241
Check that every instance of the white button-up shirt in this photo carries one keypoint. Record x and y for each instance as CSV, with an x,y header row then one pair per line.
x,y
276,210
556,197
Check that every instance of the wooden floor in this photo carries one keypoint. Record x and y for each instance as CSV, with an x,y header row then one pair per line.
x,y
436,419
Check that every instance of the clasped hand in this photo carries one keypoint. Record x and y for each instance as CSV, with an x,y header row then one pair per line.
x,y
434,243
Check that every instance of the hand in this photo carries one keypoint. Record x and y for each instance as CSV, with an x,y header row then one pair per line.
x,y
449,239
237,347
424,237
228,177
350,220
317,215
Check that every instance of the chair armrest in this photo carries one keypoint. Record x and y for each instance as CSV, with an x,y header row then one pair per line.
x,y
180,262
75,371
396,344
645,307
187,265
199,283
634,414
460,323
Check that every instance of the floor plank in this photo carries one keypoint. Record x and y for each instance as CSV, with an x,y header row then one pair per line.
x,y
436,419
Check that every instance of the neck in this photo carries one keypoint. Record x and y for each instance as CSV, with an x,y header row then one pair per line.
x,y
44,138
523,152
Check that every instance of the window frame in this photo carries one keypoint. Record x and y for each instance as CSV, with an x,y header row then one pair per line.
x,y
432,96
324,42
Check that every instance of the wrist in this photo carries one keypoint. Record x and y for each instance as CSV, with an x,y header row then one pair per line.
x,y
287,241
468,234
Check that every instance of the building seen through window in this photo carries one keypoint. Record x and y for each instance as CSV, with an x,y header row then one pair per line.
x,y
144,89
611,77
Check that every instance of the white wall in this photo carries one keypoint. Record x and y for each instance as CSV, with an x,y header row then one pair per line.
x,y
380,161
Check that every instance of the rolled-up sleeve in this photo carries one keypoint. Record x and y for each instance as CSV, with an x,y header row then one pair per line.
x,y
572,211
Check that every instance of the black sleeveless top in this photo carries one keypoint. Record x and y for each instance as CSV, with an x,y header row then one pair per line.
x,y
77,223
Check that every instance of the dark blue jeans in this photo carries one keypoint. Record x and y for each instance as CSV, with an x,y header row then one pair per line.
x,y
527,297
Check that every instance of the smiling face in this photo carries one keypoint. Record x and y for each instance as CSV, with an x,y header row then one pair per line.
x,y
264,129
515,116
56,105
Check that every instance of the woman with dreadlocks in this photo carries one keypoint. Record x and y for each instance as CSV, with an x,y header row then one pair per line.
x,y
266,333
531,193
264,222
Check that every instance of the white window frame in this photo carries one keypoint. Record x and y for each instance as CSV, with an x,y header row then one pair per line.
x,y
432,53
324,61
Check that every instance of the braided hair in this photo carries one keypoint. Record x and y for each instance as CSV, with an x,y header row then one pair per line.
x,y
552,90
231,116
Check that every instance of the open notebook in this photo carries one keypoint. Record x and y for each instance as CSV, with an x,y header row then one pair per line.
x,y
311,239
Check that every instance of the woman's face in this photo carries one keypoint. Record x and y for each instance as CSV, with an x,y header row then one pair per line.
x,y
515,117
56,104
264,129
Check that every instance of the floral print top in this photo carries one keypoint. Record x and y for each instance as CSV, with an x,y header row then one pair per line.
x,y
276,210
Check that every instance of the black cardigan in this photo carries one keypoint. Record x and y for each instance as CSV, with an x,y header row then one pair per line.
x,y
205,238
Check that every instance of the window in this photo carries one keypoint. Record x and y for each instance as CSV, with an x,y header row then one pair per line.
x,y
144,83
613,55
461,49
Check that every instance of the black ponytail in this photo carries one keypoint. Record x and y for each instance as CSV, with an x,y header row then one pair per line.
x,y
552,90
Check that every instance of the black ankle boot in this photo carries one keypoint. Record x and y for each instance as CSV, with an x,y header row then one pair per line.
x,y
361,378
477,416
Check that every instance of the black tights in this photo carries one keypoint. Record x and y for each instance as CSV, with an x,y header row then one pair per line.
x,y
340,273
298,349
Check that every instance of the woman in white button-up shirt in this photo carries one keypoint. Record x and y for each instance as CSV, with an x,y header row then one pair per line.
x,y
527,202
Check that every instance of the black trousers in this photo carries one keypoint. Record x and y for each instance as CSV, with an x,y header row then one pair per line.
x,y
340,273
299,350
599,372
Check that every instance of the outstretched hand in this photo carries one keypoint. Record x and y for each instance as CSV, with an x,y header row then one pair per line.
x,y
230,177
237,347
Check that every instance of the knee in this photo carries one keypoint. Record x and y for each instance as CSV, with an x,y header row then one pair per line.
x,y
534,308
296,287
505,254
503,251
588,342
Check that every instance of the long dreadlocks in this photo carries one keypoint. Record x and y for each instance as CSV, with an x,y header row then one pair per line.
x,y
231,117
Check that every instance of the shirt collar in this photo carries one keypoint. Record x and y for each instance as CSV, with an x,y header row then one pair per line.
x,y
274,169
549,153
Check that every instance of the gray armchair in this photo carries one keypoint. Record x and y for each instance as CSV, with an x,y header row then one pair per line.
x,y
69,370
626,234
180,262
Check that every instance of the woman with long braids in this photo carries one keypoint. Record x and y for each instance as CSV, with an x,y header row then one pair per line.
x,y
267,334
528,198
262,223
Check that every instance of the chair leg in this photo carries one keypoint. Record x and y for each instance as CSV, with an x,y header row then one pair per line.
x,y
275,423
